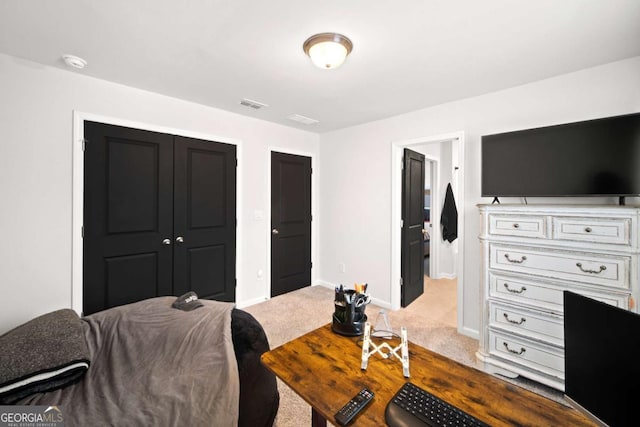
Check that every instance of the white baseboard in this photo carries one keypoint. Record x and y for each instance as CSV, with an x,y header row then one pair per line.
x,y
324,284
382,304
448,276
246,303
376,301
471,333
250,302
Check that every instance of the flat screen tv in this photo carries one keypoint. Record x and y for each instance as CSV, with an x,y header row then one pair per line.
x,y
591,158
602,359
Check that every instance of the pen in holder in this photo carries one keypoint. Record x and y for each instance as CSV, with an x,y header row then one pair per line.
x,y
349,306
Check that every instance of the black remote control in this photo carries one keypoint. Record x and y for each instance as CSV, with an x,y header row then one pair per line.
x,y
353,407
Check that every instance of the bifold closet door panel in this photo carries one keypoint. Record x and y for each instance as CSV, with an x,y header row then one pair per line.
x,y
128,215
204,218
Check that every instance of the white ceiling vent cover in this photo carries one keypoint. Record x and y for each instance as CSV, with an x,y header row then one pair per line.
x,y
302,119
253,104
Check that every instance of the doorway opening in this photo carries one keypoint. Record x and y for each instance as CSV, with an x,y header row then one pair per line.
x,y
430,205
445,258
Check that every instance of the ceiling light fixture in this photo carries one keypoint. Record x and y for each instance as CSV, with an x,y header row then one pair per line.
x,y
328,50
74,61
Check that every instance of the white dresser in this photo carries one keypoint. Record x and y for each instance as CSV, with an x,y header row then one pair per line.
x,y
530,255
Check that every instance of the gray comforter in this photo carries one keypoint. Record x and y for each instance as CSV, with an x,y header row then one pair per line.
x,y
153,365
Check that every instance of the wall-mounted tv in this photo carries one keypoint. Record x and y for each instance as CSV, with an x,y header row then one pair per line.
x,y
591,158
601,357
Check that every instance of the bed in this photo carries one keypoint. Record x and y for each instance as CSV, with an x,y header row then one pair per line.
x,y
145,363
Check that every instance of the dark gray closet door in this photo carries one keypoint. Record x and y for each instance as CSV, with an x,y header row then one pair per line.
x,y
159,217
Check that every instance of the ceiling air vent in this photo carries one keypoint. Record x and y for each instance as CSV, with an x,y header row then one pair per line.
x,y
252,104
302,119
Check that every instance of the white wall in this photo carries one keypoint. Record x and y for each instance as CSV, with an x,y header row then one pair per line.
x,y
355,206
36,110
354,210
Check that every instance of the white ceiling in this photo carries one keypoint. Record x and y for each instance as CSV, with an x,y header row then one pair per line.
x,y
408,54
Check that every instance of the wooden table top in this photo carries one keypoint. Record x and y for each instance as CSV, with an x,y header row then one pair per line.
x,y
324,369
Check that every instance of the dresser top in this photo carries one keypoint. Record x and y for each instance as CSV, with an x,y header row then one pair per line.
x,y
587,209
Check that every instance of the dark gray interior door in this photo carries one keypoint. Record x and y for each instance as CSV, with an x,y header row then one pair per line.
x,y
159,217
205,219
412,258
290,222
128,213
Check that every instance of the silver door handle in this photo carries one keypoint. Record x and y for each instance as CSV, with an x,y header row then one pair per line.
x,y
166,242
275,231
180,239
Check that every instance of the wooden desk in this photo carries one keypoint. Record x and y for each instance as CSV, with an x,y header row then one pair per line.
x,y
324,369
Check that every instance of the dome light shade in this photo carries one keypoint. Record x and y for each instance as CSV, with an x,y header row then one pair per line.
x,y
327,50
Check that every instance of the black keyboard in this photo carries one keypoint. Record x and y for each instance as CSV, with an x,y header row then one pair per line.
x,y
413,406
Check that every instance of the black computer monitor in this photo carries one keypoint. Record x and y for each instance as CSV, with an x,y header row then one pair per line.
x,y
602,359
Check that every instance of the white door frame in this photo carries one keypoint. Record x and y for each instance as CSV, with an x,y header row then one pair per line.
x,y
397,148
434,250
314,213
77,197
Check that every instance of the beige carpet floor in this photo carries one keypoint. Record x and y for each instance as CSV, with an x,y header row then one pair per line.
x,y
430,321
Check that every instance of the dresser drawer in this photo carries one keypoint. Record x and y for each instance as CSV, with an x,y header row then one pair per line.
x,y
518,225
615,231
544,295
609,270
538,325
532,355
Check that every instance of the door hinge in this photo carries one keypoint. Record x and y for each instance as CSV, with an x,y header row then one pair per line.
x,y
401,281
311,264
402,223
82,231
84,144
402,165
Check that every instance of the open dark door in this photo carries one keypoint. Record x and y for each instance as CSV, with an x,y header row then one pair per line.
x,y
128,216
412,258
204,219
290,222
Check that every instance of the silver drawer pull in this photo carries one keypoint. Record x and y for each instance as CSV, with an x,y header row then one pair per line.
x,y
586,270
516,225
514,291
522,349
515,322
588,230
516,261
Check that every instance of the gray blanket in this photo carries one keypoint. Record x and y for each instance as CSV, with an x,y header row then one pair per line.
x,y
43,354
153,365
